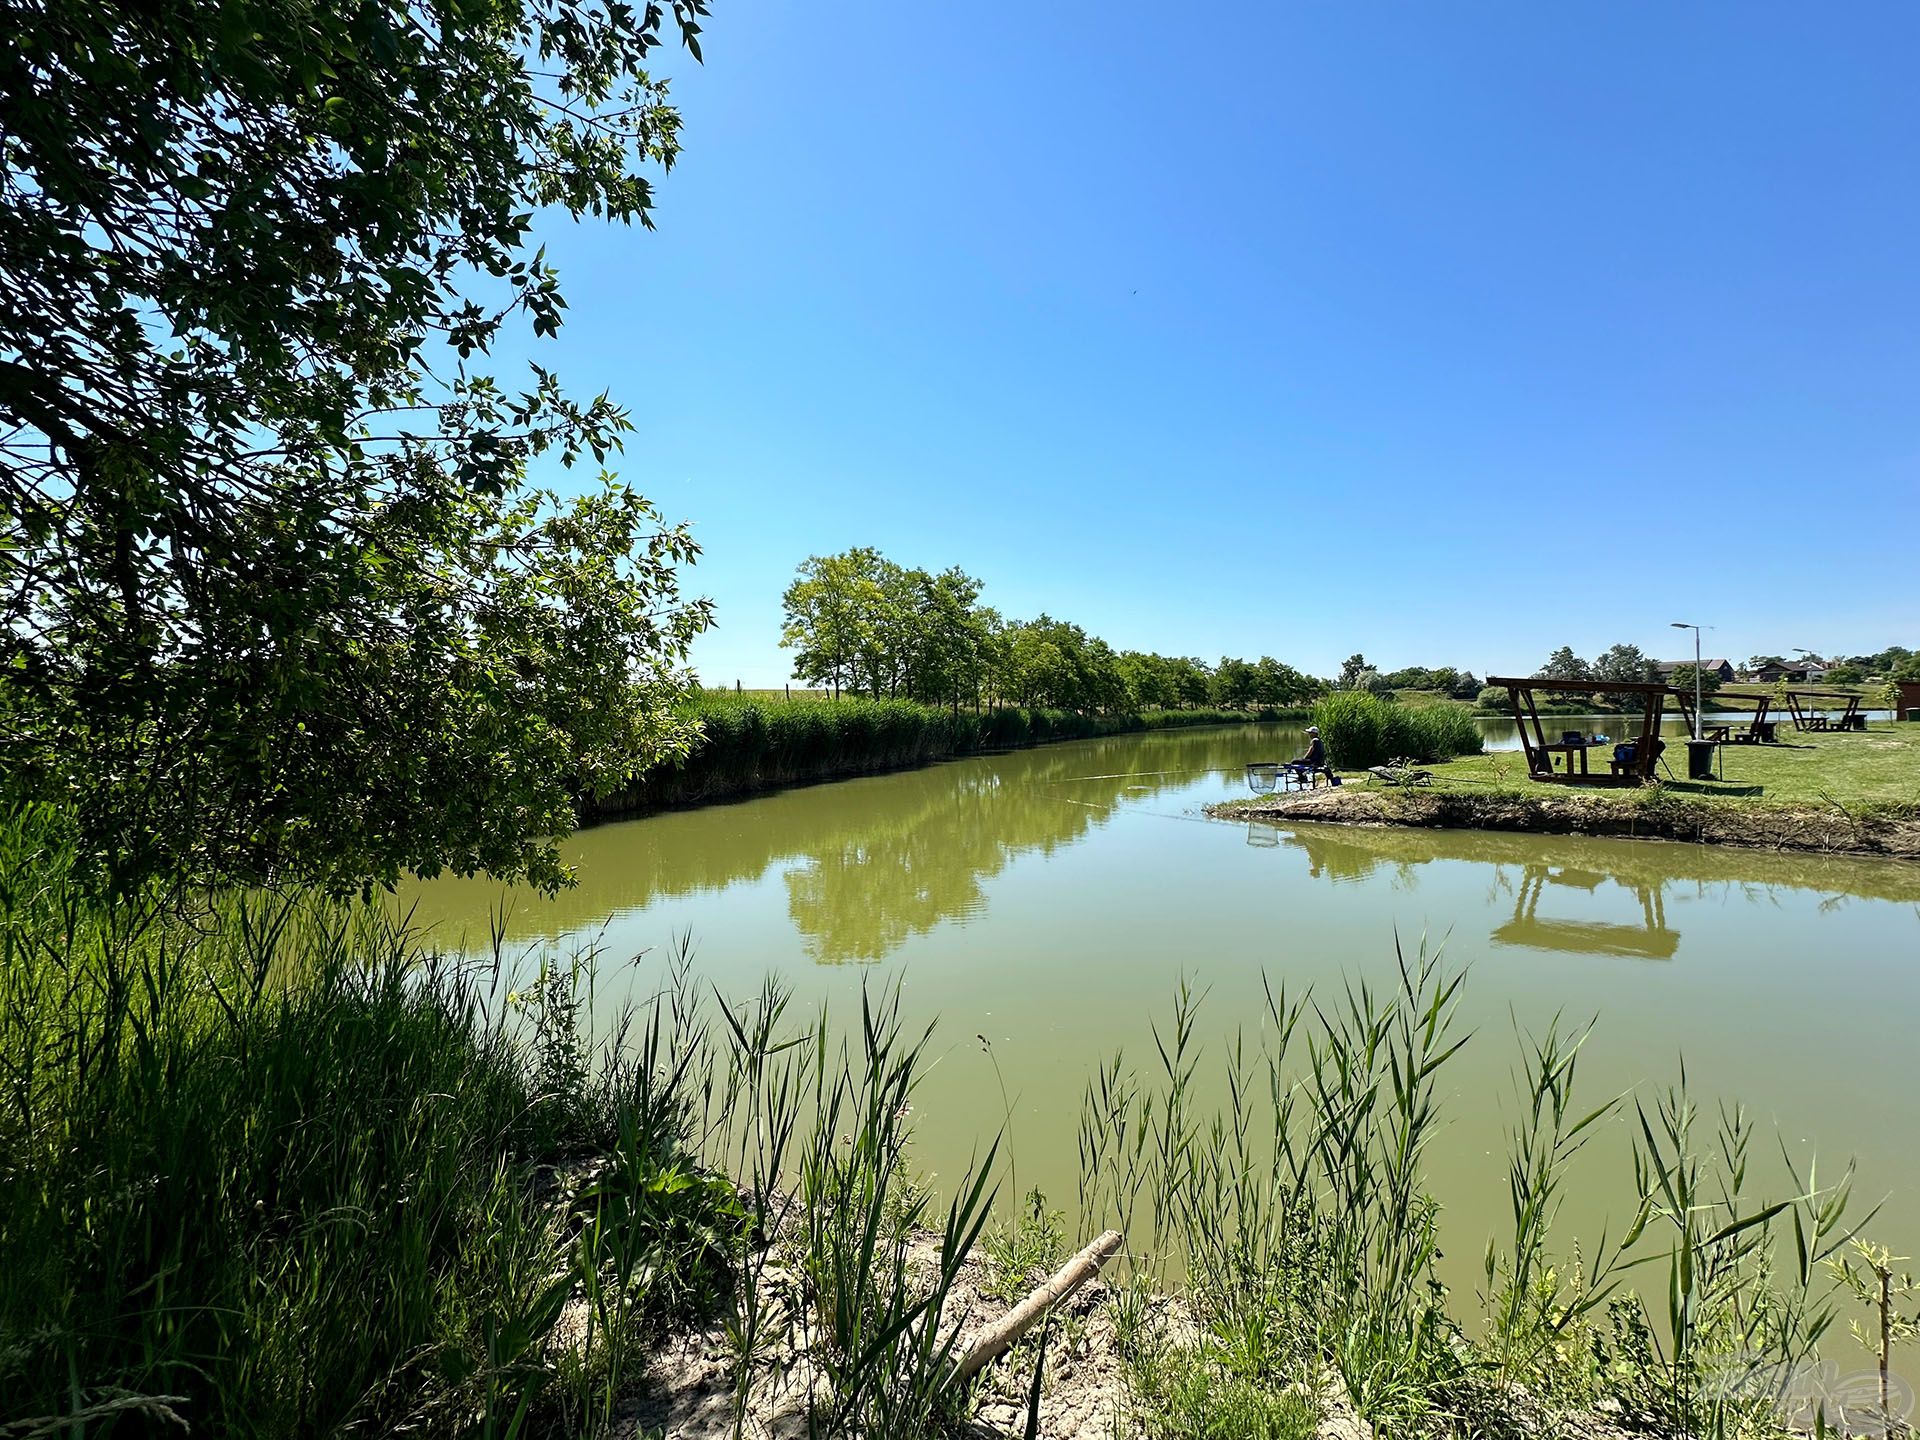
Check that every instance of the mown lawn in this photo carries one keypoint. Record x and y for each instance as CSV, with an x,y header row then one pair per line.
x,y
1877,768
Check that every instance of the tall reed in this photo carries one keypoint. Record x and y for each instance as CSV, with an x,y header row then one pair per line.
x,y
1298,1214
1362,730
1296,1222
887,1338
271,1168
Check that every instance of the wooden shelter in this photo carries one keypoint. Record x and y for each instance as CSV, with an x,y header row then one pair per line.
x,y
1563,760
1909,706
1752,732
1807,714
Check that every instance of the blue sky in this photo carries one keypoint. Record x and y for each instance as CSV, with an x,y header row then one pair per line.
x,y
1447,333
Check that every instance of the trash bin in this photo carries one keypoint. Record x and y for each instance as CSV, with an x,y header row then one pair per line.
x,y
1700,759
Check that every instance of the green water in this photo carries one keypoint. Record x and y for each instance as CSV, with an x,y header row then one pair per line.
x,y
1050,900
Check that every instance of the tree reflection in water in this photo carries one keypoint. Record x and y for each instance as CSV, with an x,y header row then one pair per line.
x,y
867,863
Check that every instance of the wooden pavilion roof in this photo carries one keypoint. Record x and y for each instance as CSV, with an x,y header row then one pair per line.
x,y
1582,687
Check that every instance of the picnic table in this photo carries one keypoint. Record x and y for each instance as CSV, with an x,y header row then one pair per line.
x,y
1809,716
1570,749
1754,731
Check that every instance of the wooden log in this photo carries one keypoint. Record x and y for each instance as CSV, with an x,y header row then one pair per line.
x,y
999,1337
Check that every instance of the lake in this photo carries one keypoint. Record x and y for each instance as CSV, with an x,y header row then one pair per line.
x,y
1050,900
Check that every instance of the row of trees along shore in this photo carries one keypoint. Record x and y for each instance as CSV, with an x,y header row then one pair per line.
x,y
1630,663
860,623
1620,664
287,617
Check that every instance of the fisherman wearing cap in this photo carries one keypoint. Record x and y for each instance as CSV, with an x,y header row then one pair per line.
x,y
1316,757
1314,761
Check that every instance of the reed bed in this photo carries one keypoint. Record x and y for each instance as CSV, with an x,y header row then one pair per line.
x,y
268,1169
749,744
1361,730
1297,1228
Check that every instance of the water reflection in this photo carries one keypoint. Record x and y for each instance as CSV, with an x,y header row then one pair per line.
x,y
1053,899
1581,873
867,864
1650,940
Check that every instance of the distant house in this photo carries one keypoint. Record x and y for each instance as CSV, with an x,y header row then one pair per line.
x,y
1775,671
1723,668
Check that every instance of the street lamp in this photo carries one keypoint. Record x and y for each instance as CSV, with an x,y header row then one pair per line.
x,y
1696,629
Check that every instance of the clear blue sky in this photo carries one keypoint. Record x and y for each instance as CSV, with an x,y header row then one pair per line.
x,y
1448,333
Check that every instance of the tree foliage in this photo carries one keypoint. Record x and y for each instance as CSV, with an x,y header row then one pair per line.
x,y
1625,663
857,621
1563,664
279,599
1447,679
1895,662
1683,677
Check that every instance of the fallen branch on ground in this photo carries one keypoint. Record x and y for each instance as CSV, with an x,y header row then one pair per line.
x,y
997,1339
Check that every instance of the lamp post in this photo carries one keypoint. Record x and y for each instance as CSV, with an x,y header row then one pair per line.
x,y
1683,625
1806,674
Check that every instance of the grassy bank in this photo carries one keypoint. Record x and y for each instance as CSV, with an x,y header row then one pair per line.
x,y
280,1172
1849,791
268,1169
749,744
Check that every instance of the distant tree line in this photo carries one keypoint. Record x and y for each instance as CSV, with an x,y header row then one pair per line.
x,y
1357,674
860,623
1896,662
1620,664
1629,663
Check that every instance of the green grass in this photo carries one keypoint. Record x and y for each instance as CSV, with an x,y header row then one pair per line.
x,y
269,1168
1874,771
1182,1394
1021,1254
